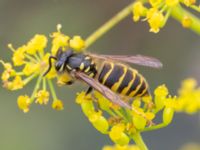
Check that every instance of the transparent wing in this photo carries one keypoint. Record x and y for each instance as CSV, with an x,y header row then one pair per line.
x,y
134,59
110,95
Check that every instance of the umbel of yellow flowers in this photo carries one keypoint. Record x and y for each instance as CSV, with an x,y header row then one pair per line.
x,y
30,61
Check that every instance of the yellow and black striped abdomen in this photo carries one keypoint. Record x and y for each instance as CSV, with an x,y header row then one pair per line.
x,y
123,80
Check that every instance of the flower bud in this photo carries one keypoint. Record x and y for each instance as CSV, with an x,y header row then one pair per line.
x,y
168,114
118,136
99,122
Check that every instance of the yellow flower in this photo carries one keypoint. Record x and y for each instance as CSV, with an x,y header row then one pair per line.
x,y
42,97
99,122
17,83
86,103
30,68
57,105
77,43
18,56
104,103
8,72
160,96
171,3
59,40
138,10
118,136
186,22
155,20
63,79
23,103
36,44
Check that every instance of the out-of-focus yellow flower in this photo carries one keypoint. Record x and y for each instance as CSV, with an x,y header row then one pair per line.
x,y
36,44
57,105
42,97
155,20
189,2
23,103
138,10
171,3
118,147
77,43
155,3
186,22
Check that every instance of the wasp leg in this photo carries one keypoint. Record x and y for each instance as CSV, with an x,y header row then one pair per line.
x,y
89,90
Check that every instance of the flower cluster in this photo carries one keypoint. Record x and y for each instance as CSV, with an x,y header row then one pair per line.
x,y
30,61
157,12
121,124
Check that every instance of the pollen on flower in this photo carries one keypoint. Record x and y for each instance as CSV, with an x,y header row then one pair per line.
x,y
57,105
23,102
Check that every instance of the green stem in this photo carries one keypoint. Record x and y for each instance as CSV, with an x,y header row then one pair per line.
x,y
109,25
37,86
139,141
155,127
52,90
179,13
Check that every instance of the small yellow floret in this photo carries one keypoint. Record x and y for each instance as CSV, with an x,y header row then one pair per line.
x,y
63,79
23,103
36,44
118,136
155,20
99,122
17,83
57,105
118,147
77,43
42,97
186,22
59,41
138,10
18,56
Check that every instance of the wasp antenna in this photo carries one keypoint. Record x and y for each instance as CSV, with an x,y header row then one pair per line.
x,y
50,64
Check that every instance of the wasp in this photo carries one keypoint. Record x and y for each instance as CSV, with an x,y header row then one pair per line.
x,y
107,74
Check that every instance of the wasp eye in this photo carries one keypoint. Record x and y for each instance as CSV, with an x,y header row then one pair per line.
x,y
58,66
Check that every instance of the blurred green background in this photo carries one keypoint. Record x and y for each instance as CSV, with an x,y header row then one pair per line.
x,y
46,129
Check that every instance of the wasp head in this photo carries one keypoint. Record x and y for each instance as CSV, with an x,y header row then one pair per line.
x,y
61,60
